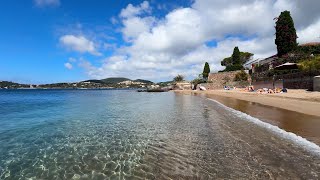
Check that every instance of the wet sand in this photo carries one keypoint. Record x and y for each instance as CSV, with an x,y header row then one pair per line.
x,y
296,100
302,124
209,141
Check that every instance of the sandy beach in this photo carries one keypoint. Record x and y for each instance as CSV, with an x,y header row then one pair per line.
x,y
295,100
296,111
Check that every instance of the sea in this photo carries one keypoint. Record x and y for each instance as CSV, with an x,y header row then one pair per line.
x,y
124,134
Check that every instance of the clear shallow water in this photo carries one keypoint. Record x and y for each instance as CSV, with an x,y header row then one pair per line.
x,y
92,134
301,124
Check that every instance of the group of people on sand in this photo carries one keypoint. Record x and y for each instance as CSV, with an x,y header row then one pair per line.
x,y
228,88
266,90
260,91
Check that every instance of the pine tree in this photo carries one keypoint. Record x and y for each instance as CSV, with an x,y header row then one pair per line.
x,y
236,56
286,37
206,70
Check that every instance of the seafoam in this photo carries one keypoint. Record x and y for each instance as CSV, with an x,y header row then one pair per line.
x,y
307,145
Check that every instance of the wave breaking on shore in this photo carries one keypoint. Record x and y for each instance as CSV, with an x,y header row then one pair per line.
x,y
304,143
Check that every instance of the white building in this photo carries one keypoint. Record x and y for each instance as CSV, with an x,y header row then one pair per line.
x,y
250,64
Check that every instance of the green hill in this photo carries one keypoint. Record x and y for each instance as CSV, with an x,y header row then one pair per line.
x,y
143,81
10,84
94,81
114,80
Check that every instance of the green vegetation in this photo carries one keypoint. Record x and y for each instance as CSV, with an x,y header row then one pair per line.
x,y
206,70
166,83
309,49
311,64
114,80
94,81
178,78
236,61
8,84
286,37
241,76
198,81
233,68
143,81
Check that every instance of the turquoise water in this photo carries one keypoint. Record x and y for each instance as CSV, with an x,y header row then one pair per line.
x,y
123,134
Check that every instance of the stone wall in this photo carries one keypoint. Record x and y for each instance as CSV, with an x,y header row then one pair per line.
x,y
299,83
218,80
267,84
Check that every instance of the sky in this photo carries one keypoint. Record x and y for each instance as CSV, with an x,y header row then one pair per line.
x,y
48,41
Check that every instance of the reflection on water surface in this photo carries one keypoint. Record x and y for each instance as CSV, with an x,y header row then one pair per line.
x,y
65,134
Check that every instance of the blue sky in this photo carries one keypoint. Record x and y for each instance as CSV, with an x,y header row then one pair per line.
x,y
46,41
30,50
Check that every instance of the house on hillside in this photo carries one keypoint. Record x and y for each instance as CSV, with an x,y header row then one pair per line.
x,y
310,44
128,82
261,61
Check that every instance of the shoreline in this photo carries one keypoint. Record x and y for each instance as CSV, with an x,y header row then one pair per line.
x,y
297,115
295,100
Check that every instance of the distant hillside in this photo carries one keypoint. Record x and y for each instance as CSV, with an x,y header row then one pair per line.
x,y
7,83
143,81
4,84
94,81
114,80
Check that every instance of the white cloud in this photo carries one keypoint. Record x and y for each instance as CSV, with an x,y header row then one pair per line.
x,y
43,3
79,43
68,65
134,26
161,48
131,10
310,33
71,59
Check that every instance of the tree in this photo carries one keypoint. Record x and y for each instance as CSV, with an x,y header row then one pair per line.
x,y
236,61
244,57
178,78
286,36
206,70
197,81
236,56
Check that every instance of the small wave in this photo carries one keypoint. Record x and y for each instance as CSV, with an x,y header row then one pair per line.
x,y
307,145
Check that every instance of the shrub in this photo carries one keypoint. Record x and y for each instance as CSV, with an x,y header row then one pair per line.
x,y
241,76
311,49
312,64
197,81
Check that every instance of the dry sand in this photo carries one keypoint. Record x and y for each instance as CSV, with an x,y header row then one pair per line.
x,y
295,100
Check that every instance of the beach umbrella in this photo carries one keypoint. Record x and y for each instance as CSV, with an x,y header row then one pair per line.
x,y
287,66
